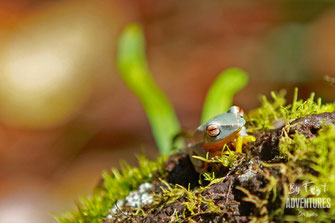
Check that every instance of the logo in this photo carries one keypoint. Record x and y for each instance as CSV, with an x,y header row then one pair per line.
x,y
317,199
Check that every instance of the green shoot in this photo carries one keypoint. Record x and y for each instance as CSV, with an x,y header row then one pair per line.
x,y
134,70
220,95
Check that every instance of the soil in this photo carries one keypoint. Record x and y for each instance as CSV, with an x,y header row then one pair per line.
x,y
246,172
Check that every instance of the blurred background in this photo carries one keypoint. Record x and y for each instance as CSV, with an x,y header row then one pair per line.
x,y
66,115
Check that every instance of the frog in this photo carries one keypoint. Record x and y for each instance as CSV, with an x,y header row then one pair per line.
x,y
210,138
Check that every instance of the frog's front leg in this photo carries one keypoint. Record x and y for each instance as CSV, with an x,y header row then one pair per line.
x,y
243,139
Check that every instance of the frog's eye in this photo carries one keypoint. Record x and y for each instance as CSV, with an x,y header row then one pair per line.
x,y
240,111
236,110
213,130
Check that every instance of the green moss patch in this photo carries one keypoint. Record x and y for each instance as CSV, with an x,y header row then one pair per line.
x,y
115,185
291,160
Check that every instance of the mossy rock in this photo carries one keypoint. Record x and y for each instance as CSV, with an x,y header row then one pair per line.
x,y
289,164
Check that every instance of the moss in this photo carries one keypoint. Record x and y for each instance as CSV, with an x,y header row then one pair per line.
x,y
191,199
310,167
227,158
115,185
269,113
308,162
301,160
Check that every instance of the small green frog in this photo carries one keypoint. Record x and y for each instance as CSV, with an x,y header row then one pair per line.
x,y
212,136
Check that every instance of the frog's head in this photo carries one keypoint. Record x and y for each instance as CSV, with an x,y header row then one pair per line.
x,y
221,129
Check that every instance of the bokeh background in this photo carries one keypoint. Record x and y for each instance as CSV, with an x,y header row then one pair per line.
x,y
66,115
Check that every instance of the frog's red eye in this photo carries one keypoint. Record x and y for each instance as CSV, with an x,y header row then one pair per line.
x,y
213,130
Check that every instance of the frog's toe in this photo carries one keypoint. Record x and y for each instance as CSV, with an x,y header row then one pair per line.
x,y
248,138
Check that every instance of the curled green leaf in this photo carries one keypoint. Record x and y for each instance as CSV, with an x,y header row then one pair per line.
x,y
220,95
134,71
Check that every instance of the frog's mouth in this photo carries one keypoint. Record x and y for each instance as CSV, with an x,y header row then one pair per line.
x,y
218,145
